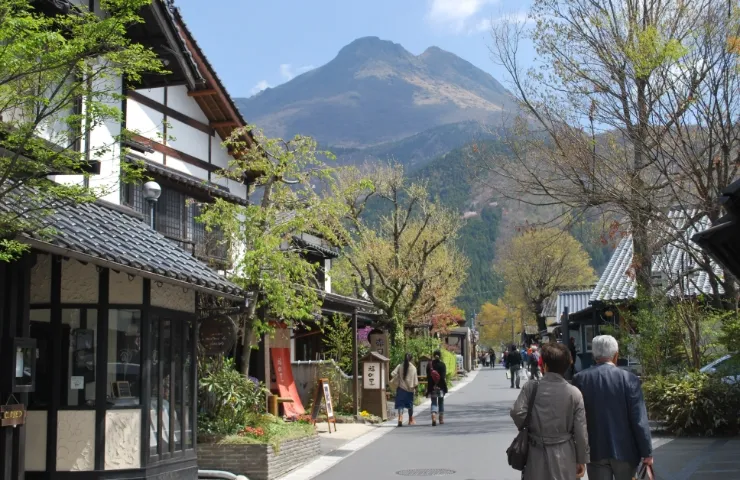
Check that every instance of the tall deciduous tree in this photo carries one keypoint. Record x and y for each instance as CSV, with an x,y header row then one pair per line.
x,y
272,270
60,78
537,262
601,103
406,264
500,322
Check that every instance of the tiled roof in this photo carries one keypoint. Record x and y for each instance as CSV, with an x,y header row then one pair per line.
x,y
669,265
550,306
106,235
575,301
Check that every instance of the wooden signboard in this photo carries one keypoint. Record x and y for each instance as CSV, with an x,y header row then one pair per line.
x,y
14,415
217,335
323,391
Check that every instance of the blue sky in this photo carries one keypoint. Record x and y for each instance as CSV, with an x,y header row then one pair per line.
x,y
253,45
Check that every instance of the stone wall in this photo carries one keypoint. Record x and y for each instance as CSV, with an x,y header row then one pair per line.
x,y
259,462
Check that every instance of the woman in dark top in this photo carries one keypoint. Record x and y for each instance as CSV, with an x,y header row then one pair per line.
x,y
436,390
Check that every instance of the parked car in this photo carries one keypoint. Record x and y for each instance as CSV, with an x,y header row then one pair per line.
x,y
727,366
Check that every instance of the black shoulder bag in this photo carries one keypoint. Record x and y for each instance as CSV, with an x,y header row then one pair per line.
x,y
519,449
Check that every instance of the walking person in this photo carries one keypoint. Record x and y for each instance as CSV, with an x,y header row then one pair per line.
x,y
618,429
493,359
405,379
534,362
558,436
514,365
437,387
573,353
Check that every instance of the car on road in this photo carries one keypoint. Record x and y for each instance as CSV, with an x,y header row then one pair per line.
x,y
728,367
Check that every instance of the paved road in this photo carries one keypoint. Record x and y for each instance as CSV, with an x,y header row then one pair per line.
x,y
472,442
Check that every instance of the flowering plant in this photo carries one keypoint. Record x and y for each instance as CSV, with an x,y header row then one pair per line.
x,y
252,432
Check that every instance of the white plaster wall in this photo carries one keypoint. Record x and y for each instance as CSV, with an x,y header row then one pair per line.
x,y
187,139
123,290
41,280
177,99
156,94
181,166
76,440
35,441
173,297
105,147
327,275
146,122
79,282
122,439
219,156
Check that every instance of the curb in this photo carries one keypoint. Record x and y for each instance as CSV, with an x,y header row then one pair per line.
x,y
325,462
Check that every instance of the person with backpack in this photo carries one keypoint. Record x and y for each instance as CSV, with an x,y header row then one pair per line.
x,y
514,365
534,363
437,387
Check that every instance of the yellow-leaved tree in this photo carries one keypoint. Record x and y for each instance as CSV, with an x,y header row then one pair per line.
x,y
538,261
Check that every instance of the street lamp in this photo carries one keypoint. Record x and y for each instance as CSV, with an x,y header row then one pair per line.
x,y
152,191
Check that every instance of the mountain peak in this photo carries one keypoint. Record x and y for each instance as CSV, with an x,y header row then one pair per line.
x,y
371,47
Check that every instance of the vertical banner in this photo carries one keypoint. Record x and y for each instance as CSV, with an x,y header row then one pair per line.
x,y
285,382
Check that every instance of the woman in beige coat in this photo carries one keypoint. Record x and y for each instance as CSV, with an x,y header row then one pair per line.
x,y
407,380
558,433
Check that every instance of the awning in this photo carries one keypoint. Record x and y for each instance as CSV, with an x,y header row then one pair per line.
x,y
115,237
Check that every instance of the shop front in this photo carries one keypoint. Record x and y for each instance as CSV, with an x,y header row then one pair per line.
x,y
101,332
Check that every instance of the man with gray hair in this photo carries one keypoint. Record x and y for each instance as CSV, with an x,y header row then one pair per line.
x,y
618,430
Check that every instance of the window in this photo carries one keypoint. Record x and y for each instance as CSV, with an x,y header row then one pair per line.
x,y
79,333
588,336
175,218
124,354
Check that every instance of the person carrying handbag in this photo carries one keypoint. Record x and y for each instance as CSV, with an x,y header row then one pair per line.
x,y
404,380
557,431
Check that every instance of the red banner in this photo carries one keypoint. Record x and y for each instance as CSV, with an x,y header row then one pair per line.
x,y
285,382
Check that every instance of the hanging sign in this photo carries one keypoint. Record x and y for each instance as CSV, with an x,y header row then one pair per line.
x,y
12,415
217,335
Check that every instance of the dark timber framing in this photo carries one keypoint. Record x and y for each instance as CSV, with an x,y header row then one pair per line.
x,y
178,460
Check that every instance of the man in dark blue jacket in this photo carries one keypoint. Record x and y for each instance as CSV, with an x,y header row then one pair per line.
x,y
618,430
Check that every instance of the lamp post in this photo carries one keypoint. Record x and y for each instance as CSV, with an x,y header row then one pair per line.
x,y
152,191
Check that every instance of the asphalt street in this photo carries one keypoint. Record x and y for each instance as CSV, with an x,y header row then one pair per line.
x,y
471,445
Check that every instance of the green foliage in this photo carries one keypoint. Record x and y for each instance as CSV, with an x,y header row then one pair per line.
x,y
730,332
338,341
450,361
48,64
416,346
268,430
227,399
694,404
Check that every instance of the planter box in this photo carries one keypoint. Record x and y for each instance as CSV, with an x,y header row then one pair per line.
x,y
259,462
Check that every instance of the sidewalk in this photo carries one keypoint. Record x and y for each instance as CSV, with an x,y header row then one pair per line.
x,y
698,459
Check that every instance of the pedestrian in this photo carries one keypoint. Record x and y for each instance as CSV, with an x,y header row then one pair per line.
x,y
493,359
558,435
405,378
618,429
437,387
514,365
573,353
534,363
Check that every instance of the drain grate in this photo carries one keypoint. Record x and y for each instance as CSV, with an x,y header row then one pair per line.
x,y
425,472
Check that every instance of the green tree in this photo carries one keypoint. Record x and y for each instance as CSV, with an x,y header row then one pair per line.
x,y
48,65
535,263
271,269
406,264
338,341
602,101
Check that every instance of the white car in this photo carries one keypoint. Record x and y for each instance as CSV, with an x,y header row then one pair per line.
x,y
727,366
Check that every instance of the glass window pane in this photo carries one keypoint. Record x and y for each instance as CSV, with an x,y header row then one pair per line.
x,y
165,357
41,331
187,380
154,398
79,340
124,353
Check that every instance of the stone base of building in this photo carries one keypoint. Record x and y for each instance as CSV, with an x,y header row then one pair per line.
x,y
179,470
259,462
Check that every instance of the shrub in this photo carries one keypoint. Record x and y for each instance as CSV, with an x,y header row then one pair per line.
x,y
450,361
228,399
694,404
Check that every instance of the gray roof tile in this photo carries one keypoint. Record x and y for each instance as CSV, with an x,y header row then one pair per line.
x,y
673,262
118,238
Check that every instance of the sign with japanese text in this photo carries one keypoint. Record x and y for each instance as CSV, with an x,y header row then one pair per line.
x,y
323,390
379,342
217,335
285,382
371,377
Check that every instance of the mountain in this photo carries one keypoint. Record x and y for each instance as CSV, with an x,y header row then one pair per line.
x,y
374,92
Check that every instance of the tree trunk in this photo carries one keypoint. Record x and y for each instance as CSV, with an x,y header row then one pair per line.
x,y
247,344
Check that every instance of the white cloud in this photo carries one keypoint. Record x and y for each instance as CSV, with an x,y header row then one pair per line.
x,y
456,14
261,85
484,25
289,73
